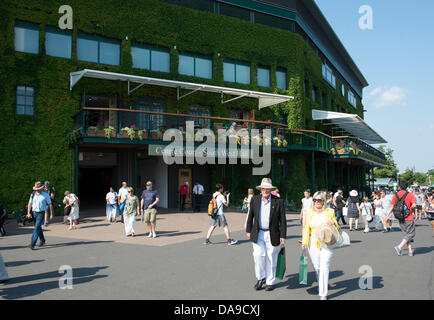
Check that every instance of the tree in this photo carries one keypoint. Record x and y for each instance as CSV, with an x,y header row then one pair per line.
x,y
390,170
411,177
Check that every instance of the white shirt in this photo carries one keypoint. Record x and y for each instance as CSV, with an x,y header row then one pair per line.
x,y
264,213
419,199
111,197
307,203
386,202
220,202
123,192
366,208
198,189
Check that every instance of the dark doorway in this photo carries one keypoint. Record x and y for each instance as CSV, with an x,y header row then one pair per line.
x,y
94,183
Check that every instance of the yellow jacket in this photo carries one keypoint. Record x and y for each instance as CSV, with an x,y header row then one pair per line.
x,y
307,231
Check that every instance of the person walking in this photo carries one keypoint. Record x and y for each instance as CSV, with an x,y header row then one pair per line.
x,y
183,194
122,196
71,201
407,225
148,205
386,203
112,205
306,204
429,211
320,255
379,212
39,202
339,203
353,209
367,213
51,192
420,200
220,220
132,207
266,228
198,191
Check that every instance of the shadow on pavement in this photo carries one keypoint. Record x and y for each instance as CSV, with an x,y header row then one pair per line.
x,y
80,275
347,286
423,250
48,246
292,280
20,263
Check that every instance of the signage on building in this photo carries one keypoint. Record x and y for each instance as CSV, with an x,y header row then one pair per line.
x,y
160,150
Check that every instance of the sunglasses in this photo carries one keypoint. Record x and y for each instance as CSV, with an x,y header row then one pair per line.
x,y
318,200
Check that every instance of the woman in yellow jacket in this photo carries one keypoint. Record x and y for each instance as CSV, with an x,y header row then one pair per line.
x,y
319,255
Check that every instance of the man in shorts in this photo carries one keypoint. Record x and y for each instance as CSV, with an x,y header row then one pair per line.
x,y
407,225
220,219
420,200
148,204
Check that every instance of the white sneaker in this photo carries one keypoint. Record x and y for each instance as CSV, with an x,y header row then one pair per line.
x,y
150,235
154,235
366,230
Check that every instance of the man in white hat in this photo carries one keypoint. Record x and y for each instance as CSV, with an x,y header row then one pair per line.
x,y
266,228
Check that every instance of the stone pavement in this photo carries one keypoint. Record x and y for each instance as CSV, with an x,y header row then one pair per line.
x,y
176,265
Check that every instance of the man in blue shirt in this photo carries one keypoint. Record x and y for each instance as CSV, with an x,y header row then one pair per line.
x,y
150,199
39,203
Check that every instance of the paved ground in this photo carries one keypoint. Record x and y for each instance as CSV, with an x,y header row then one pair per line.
x,y
176,265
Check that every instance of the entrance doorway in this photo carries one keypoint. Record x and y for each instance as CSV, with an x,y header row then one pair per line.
x,y
184,175
93,185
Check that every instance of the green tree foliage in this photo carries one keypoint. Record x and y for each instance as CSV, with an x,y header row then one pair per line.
x,y
412,177
390,170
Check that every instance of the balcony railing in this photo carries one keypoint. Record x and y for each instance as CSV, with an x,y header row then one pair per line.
x,y
144,127
355,147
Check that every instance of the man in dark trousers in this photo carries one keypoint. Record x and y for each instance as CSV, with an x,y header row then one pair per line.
x,y
266,227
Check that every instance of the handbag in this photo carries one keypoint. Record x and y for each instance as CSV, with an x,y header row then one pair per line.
x,y
302,273
122,206
281,264
345,211
67,210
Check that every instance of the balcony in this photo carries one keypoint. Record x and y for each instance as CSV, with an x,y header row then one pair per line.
x,y
351,147
139,127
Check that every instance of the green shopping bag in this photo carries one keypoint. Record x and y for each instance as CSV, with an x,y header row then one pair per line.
x,y
302,278
281,264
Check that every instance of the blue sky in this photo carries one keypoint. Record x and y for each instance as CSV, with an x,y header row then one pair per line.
x,y
397,59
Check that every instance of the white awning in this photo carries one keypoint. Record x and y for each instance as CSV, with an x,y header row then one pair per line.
x,y
265,99
351,123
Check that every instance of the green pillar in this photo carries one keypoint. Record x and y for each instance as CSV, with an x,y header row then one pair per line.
x,y
326,174
348,177
135,172
76,169
313,172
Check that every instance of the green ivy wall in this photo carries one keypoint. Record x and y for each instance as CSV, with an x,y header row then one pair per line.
x,y
36,148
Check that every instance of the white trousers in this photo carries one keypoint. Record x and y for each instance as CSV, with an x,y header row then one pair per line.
x,y
321,258
265,257
3,273
379,216
129,223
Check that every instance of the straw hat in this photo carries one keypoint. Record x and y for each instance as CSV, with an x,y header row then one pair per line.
x,y
354,193
266,184
327,235
38,186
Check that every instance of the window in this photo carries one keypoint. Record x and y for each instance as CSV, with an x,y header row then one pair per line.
x,y
328,75
150,121
25,100
234,11
150,58
58,43
236,72
306,88
200,111
26,37
272,21
264,79
314,94
98,50
352,98
195,66
281,79
343,90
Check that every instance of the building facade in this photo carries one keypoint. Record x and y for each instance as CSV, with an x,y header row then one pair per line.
x,y
147,66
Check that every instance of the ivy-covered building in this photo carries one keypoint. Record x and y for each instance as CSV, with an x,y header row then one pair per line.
x,y
149,65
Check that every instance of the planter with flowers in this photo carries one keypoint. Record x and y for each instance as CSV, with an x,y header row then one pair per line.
x,y
109,132
129,132
142,134
156,134
280,141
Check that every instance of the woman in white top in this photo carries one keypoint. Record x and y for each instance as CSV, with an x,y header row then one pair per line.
x,y
379,214
367,213
71,200
112,205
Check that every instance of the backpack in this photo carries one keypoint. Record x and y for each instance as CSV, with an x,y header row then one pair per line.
x,y
400,209
212,207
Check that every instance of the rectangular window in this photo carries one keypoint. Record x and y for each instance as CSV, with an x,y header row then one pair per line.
x,y
273,21
314,94
195,66
150,121
98,50
281,79
25,100
200,111
58,43
26,37
327,74
234,11
236,72
150,58
352,98
264,77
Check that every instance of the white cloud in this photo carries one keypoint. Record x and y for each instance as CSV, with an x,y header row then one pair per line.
x,y
381,97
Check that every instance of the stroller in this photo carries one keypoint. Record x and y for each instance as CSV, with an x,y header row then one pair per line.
x,y
3,218
23,217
